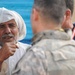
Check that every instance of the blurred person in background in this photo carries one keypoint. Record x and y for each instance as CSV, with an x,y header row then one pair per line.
x,y
73,30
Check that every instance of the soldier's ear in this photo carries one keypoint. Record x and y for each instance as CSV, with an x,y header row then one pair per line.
x,y
68,14
67,21
35,14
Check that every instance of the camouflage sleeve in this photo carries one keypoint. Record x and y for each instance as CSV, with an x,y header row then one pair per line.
x,y
32,63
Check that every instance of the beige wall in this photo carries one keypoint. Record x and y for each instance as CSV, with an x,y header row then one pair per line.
x,y
73,18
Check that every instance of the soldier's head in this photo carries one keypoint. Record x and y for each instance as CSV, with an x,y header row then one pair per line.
x,y
46,13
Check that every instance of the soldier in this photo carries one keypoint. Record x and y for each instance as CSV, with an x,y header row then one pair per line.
x,y
52,51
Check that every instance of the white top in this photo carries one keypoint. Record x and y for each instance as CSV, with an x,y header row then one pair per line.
x,y
12,61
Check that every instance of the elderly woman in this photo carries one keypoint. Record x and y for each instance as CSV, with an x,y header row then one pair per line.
x,y
12,30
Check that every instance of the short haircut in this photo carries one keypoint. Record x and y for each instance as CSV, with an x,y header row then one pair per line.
x,y
53,9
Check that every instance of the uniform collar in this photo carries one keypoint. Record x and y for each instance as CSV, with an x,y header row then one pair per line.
x,y
51,34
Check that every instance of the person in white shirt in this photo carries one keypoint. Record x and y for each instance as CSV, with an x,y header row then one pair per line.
x,y
12,30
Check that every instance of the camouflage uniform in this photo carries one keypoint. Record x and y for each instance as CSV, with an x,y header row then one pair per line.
x,y
52,53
